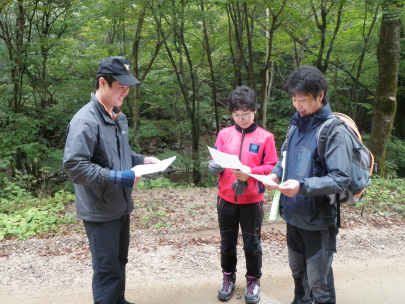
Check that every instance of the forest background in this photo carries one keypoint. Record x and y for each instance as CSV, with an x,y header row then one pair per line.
x,y
189,55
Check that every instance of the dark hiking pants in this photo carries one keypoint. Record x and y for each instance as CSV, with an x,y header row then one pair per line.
x,y
109,243
310,255
250,218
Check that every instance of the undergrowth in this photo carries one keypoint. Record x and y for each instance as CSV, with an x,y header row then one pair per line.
x,y
23,215
159,183
384,195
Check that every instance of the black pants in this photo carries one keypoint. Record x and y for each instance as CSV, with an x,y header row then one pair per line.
x,y
310,255
109,243
250,218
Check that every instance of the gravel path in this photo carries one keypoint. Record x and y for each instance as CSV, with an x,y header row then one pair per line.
x,y
181,265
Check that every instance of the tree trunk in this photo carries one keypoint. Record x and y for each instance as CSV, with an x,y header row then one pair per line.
x,y
336,105
271,81
354,90
135,56
249,34
385,97
214,87
399,124
235,57
323,63
16,71
137,74
273,25
185,74
136,116
235,14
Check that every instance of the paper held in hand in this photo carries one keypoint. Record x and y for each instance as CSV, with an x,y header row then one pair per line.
x,y
232,162
225,160
153,168
264,179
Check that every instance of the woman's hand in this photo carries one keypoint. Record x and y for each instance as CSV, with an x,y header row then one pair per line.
x,y
240,175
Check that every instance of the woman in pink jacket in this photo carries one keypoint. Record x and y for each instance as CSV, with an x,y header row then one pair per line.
x,y
240,197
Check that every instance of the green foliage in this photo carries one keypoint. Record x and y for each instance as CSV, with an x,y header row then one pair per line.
x,y
395,157
28,221
384,195
395,160
279,129
14,196
159,183
153,215
208,180
159,134
58,66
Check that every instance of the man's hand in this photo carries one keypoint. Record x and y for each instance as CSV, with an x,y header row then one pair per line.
x,y
137,178
289,188
150,160
275,179
242,175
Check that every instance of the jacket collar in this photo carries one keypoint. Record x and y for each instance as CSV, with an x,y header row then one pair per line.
x,y
250,129
312,121
100,107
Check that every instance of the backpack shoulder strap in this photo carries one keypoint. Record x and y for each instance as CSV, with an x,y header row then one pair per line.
x,y
289,131
323,134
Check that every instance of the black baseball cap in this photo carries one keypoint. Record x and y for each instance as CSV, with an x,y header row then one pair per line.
x,y
118,68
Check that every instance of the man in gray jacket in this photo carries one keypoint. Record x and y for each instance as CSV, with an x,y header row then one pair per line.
x,y
98,159
309,186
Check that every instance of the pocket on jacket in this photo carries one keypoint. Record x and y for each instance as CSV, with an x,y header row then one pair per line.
x,y
304,161
95,194
106,154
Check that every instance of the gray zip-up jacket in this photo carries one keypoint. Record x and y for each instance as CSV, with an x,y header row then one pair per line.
x,y
305,210
95,145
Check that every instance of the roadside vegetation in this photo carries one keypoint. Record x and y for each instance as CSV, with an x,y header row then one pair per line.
x,y
23,216
189,55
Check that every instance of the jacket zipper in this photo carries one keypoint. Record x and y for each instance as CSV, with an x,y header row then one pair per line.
x,y
240,154
240,150
299,160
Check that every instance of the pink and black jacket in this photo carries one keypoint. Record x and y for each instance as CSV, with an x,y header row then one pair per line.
x,y
256,149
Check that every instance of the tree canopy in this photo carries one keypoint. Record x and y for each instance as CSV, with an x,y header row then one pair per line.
x,y
189,55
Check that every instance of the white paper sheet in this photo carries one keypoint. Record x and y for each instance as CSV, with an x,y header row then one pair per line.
x,y
153,168
232,161
263,178
225,160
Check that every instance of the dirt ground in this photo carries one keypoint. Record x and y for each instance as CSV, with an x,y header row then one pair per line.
x,y
177,261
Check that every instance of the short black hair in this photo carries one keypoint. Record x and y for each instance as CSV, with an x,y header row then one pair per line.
x,y
107,77
307,80
241,98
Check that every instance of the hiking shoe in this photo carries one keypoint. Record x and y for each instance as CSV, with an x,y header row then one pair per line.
x,y
126,302
228,285
252,294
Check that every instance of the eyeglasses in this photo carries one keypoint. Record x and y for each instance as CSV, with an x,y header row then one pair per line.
x,y
244,116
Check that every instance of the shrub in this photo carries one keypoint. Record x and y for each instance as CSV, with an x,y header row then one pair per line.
x,y
43,218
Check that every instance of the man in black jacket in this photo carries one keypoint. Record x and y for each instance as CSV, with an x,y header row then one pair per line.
x,y
98,159
309,188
